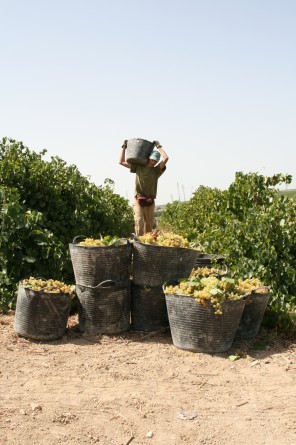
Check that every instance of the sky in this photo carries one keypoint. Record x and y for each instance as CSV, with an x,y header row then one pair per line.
x,y
213,80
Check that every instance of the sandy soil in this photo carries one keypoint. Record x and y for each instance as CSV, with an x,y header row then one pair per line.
x,y
140,389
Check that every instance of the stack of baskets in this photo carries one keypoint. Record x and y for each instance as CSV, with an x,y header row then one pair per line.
x,y
102,277
153,266
122,285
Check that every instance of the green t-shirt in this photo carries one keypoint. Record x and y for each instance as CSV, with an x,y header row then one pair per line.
x,y
146,179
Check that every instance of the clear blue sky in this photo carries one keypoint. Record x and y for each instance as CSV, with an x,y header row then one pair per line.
x,y
213,80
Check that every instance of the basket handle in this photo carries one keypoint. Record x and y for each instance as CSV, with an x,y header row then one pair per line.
x,y
110,282
221,271
78,236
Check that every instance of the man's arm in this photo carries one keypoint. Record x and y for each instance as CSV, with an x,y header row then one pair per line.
x,y
122,160
165,157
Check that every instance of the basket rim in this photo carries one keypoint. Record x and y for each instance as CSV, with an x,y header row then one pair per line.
x,y
166,247
140,139
192,298
101,247
211,256
42,292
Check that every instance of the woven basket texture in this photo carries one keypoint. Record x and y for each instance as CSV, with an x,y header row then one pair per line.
x,y
41,315
138,151
154,265
252,315
148,309
197,328
92,265
104,310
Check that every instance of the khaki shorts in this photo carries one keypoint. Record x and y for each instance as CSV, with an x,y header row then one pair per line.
x,y
144,218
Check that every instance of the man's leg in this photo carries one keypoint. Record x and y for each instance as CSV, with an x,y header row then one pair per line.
x,y
139,218
149,217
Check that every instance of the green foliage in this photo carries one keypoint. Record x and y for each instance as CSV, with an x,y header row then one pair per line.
x,y
26,246
254,227
44,205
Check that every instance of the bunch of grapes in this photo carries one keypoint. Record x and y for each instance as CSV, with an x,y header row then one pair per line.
x,y
250,285
209,282
208,287
229,285
91,242
162,238
149,238
203,272
49,286
206,290
101,242
186,288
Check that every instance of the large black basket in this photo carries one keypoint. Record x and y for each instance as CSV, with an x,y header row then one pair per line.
x,y
153,265
40,315
197,328
138,151
148,308
105,308
255,306
92,265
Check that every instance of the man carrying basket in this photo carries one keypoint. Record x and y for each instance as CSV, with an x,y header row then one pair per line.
x,y
145,186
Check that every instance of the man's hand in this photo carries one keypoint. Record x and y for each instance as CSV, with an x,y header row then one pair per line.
x,y
157,144
124,145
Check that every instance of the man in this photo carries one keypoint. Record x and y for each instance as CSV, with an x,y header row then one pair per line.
x,y
145,186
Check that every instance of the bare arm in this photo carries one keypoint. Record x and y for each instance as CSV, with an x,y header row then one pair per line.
x,y
122,160
165,158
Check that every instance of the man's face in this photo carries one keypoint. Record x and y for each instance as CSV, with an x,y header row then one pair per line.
x,y
151,163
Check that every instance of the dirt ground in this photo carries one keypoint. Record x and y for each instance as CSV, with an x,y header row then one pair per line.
x,y
140,389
